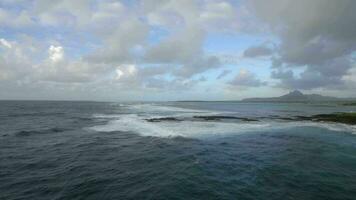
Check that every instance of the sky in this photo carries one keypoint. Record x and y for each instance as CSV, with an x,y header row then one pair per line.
x,y
164,50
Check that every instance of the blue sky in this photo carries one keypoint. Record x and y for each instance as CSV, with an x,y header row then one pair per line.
x,y
116,50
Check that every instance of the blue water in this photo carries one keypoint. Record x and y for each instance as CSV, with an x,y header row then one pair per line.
x,y
99,150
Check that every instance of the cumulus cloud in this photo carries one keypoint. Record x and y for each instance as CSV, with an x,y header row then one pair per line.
x,y
185,50
246,78
257,51
161,44
136,77
126,73
15,60
178,48
57,68
330,74
120,43
17,64
210,15
56,53
122,35
316,35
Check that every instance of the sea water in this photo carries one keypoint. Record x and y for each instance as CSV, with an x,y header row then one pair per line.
x,y
109,150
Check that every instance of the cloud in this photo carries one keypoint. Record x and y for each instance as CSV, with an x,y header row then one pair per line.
x,y
57,68
257,51
136,77
246,78
209,15
121,34
119,44
178,48
184,50
5,43
126,73
316,35
174,85
18,63
63,12
20,19
223,74
105,45
197,66
56,53
328,75
15,59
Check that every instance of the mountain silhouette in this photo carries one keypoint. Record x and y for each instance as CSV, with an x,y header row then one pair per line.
x,y
297,96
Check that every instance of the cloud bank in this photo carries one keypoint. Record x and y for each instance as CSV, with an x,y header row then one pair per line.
x,y
117,50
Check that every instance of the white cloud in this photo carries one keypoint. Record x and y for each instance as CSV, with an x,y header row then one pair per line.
x,y
56,53
160,44
126,72
5,43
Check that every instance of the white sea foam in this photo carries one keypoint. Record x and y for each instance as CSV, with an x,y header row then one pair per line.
x,y
137,123
195,129
332,126
134,124
102,116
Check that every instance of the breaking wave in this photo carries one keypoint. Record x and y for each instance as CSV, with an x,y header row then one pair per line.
x,y
185,122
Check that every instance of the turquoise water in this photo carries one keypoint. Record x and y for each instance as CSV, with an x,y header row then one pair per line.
x,y
98,150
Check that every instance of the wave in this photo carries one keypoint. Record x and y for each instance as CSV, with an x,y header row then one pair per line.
x,y
41,131
156,109
169,121
106,116
35,114
161,108
151,110
195,129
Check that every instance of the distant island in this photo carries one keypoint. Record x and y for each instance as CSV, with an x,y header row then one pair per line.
x,y
297,96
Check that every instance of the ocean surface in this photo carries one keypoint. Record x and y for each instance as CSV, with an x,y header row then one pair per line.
x,y
174,150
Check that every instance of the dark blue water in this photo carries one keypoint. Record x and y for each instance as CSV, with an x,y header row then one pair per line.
x,y
88,150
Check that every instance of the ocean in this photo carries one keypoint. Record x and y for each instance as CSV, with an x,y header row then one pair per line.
x,y
174,150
